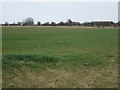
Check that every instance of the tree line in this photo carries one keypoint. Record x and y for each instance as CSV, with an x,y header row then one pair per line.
x,y
30,22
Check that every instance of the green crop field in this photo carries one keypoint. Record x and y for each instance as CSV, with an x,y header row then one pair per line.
x,y
59,57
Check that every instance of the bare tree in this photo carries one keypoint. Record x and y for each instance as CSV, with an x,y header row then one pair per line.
x,y
19,23
6,23
28,21
69,21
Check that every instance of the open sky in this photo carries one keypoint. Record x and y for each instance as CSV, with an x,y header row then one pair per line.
x,y
59,11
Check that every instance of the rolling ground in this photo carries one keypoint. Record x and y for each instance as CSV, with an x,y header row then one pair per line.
x,y
60,57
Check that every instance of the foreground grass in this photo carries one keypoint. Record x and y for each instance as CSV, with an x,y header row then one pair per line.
x,y
52,72
60,57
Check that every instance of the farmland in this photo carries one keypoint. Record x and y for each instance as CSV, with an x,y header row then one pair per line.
x,y
59,57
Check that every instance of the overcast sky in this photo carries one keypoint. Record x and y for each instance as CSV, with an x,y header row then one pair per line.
x,y
59,11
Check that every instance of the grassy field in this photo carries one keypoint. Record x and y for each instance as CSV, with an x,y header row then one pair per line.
x,y
60,57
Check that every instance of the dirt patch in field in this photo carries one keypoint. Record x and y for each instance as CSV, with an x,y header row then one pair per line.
x,y
82,77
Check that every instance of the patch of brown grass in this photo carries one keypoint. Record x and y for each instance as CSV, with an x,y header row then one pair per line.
x,y
80,77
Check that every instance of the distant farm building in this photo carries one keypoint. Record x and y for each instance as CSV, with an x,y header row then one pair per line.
x,y
102,23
